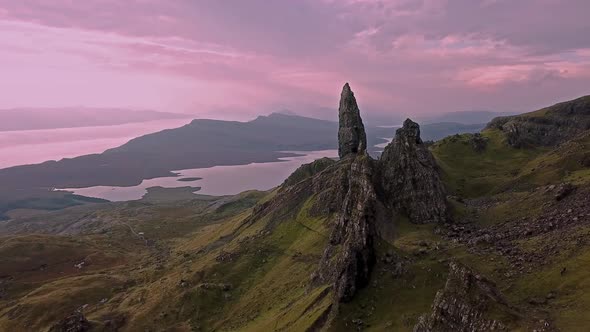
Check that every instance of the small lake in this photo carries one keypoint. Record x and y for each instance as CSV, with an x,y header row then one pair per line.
x,y
217,180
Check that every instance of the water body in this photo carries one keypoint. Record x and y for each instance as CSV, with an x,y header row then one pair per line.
x,y
384,144
217,180
36,146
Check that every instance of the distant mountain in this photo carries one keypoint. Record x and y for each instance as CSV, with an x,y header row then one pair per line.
x,y
437,131
429,132
465,117
201,143
52,118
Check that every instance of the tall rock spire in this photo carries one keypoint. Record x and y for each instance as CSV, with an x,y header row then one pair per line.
x,y
351,133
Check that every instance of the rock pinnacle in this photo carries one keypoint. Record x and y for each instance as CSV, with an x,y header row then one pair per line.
x,y
351,133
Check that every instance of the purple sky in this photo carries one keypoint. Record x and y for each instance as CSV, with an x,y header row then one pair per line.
x,y
237,58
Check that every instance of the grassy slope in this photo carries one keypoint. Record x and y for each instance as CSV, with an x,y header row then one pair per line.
x,y
509,177
267,271
394,302
468,173
175,281
40,270
569,162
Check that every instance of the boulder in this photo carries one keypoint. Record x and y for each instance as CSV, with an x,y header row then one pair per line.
x,y
76,322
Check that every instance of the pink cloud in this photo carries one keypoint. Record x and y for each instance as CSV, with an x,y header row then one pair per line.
x,y
240,58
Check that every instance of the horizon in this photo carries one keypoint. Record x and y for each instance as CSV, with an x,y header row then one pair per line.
x,y
205,60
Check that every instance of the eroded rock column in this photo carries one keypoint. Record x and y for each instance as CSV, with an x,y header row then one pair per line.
x,y
351,133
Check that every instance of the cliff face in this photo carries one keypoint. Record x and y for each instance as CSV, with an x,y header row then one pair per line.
x,y
465,304
546,127
410,178
352,138
349,258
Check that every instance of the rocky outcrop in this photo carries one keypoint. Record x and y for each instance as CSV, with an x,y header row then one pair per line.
x,y
306,171
352,138
410,177
468,302
478,142
349,258
75,322
546,127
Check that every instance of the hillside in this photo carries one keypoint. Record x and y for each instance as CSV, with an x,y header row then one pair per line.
x,y
470,234
549,126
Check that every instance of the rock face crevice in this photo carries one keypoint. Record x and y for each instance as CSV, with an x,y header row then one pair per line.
x,y
410,177
468,302
349,258
352,138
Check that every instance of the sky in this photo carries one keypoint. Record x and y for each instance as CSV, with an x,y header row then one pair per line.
x,y
237,58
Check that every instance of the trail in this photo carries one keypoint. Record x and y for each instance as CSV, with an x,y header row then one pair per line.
x,y
136,233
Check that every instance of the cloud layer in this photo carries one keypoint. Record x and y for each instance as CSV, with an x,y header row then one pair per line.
x,y
234,59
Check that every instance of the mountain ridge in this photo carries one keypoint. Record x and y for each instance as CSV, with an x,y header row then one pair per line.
x,y
548,126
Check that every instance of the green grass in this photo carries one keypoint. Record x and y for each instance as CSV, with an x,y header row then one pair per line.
x,y
42,276
273,274
468,173
560,164
513,206
395,302
268,272
572,302
579,177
